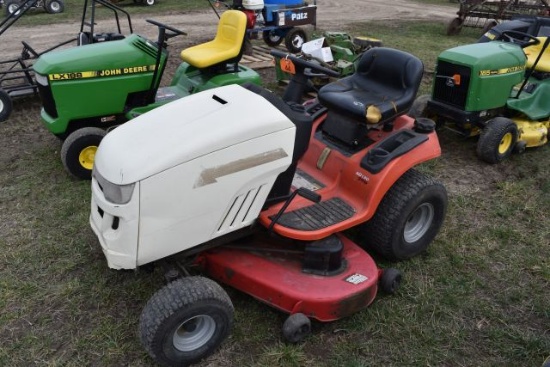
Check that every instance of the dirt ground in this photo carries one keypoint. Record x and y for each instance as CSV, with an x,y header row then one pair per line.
x,y
330,14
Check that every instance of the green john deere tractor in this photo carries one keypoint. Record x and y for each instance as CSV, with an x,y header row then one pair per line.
x,y
498,90
88,90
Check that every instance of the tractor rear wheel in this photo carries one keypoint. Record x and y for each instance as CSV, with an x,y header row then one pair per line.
x,y
271,38
78,151
294,40
54,6
185,321
408,217
6,106
497,140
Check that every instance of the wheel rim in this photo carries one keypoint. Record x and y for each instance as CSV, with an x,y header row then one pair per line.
x,y
273,37
150,2
1,105
418,223
13,8
298,41
505,143
54,6
86,157
193,333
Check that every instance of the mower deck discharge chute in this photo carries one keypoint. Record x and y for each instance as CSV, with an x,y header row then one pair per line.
x,y
92,89
254,191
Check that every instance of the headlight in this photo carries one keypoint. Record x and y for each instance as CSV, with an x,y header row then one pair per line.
x,y
117,194
41,79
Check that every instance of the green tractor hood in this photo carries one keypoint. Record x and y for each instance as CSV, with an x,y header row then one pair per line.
x,y
486,56
133,54
485,74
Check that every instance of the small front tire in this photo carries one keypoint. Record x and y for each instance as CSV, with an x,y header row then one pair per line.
x,y
296,328
390,280
497,140
185,321
408,218
79,149
6,105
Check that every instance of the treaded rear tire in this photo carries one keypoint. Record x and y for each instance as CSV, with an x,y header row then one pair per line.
x,y
179,302
493,145
393,222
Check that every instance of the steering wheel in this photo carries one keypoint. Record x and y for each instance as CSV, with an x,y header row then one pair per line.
x,y
176,31
302,64
519,38
30,49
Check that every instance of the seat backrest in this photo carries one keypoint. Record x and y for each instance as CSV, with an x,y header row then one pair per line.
x,y
533,52
231,29
390,70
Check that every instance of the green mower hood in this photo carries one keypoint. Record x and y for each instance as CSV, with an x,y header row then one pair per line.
x,y
133,54
486,56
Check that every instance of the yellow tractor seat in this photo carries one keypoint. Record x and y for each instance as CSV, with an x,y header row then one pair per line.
x,y
226,46
532,52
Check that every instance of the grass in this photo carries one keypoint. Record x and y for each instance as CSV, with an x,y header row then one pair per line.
x,y
73,11
478,297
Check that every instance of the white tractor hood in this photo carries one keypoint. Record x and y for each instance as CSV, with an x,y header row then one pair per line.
x,y
183,130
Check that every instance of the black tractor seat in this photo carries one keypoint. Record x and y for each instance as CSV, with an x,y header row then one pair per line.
x,y
382,88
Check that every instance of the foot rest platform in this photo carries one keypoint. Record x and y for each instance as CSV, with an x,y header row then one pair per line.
x,y
317,216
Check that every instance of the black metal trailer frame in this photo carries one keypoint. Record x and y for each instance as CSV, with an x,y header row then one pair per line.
x,y
17,78
486,14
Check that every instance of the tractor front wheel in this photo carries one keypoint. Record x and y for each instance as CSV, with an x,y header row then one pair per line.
x,y
390,280
497,140
6,106
78,151
271,38
294,40
54,6
296,328
408,217
185,321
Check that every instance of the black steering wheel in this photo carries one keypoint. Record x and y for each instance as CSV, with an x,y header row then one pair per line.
x,y
175,31
302,64
521,39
